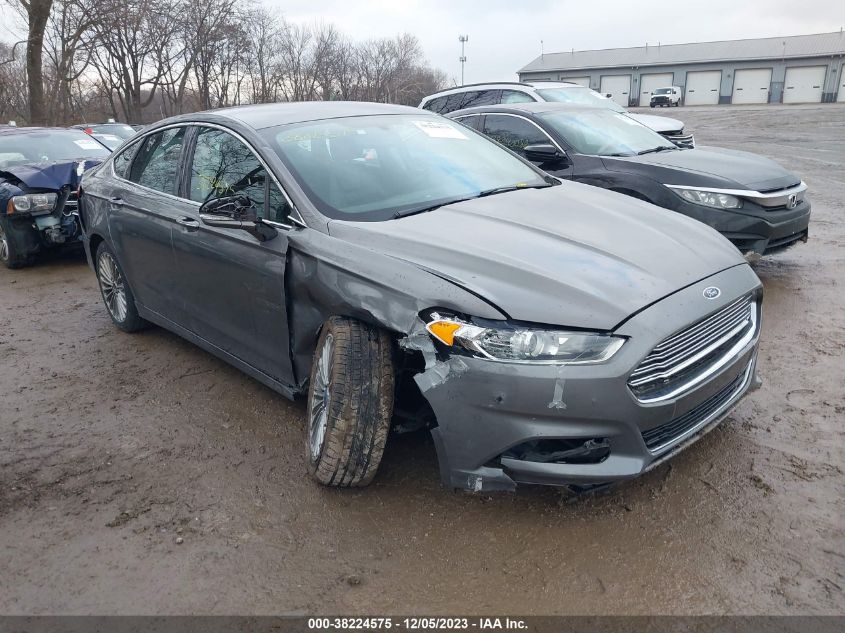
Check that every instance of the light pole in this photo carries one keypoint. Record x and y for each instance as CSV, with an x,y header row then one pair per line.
x,y
463,39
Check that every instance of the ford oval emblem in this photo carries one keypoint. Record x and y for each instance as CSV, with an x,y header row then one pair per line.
x,y
711,292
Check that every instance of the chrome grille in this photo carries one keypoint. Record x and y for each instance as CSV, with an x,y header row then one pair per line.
x,y
686,141
685,359
676,429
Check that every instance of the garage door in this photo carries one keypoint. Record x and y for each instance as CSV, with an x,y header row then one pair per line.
x,y
703,87
804,85
581,81
649,82
752,85
618,87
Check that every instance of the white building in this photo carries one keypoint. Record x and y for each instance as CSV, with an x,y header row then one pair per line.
x,y
794,69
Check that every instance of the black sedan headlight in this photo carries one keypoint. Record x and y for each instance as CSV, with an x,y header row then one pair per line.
x,y
519,344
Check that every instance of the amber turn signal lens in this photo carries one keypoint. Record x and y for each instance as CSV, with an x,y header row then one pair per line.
x,y
444,331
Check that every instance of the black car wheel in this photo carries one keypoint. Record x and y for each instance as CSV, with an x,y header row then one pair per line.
x,y
9,253
117,296
350,403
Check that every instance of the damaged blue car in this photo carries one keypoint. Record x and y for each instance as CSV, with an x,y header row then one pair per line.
x,y
40,170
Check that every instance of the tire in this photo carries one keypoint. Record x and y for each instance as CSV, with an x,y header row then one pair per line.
x,y
350,403
651,105
116,294
9,252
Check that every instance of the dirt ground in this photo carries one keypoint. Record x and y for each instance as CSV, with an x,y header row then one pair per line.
x,y
140,475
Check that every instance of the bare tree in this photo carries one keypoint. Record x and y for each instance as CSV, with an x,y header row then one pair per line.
x,y
14,103
36,13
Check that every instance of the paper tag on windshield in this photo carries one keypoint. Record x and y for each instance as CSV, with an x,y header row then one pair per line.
x,y
85,143
435,129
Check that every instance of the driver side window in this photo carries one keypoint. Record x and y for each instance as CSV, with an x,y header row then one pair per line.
x,y
513,132
223,166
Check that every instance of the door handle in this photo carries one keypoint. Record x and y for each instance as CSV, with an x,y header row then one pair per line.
x,y
189,223
116,202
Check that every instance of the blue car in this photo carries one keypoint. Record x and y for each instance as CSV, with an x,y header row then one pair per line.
x,y
40,170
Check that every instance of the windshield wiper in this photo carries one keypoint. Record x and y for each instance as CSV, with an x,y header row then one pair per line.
x,y
480,194
495,190
659,148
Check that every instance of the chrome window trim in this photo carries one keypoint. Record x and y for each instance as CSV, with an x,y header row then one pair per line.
x,y
729,356
773,199
297,220
721,411
516,116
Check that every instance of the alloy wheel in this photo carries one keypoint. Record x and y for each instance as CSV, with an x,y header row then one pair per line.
x,y
112,286
320,399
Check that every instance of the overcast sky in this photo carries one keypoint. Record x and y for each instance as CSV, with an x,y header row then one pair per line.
x,y
505,35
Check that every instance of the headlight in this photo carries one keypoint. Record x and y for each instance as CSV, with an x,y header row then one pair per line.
x,y
710,198
524,345
32,203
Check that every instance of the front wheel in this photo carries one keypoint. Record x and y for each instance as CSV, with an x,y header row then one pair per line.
x,y
117,296
350,403
9,254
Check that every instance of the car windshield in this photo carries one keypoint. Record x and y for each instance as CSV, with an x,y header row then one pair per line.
x,y
48,145
663,91
373,168
579,96
117,129
603,133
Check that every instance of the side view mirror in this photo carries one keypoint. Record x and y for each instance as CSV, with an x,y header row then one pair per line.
x,y
544,153
236,212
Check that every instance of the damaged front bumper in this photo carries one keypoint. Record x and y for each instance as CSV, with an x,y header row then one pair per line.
x,y
499,424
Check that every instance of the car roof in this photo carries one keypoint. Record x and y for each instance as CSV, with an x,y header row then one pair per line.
x,y
82,126
272,114
12,130
493,85
535,107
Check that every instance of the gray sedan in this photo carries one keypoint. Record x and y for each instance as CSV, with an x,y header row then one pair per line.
x,y
402,272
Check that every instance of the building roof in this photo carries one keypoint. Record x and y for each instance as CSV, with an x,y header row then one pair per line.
x,y
792,46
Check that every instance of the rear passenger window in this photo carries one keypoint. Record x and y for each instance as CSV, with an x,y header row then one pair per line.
x,y
473,121
157,163
121,162
435,105
515,96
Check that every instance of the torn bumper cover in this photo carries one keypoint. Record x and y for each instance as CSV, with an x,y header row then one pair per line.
x,y
501,423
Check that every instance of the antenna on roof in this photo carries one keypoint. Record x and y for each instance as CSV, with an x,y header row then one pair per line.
x,y
541,49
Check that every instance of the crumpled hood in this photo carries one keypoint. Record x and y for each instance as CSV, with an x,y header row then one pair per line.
x,y
570,255
707,167
660,124
52,175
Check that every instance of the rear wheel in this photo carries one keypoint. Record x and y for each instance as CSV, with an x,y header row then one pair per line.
x,y
350,403
118,298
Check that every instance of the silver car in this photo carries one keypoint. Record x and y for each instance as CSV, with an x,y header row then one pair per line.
x,y
401,271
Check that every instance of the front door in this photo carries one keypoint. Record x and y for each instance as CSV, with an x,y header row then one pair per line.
x,y
232,284
516,132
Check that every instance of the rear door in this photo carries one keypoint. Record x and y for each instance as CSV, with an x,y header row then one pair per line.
x,y
144,207
233,285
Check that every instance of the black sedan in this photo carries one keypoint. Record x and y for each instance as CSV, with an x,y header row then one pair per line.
x,y
751,200
40,169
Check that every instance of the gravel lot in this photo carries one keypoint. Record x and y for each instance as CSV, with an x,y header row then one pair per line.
x,y
138,474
